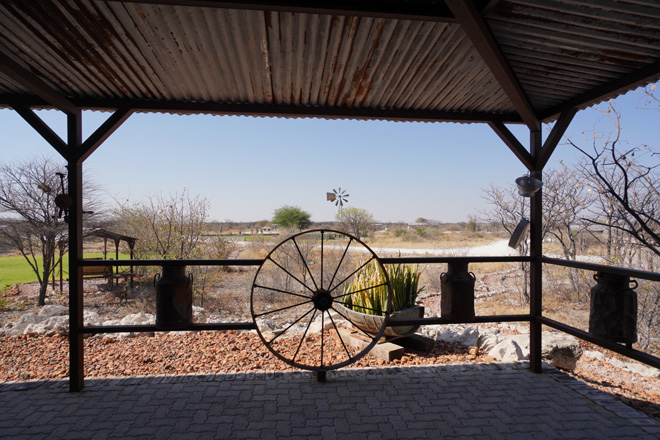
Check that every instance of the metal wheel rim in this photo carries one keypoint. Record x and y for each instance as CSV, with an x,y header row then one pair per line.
x,y
374,338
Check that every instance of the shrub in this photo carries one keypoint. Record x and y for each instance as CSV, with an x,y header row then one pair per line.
x,y
370,290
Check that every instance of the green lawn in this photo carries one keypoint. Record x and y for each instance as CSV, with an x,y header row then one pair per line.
x,y
15,270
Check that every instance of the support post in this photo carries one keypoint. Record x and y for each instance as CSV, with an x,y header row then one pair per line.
x,y
536,265
76,354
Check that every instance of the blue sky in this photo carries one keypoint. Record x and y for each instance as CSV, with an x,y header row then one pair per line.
x,y
248,167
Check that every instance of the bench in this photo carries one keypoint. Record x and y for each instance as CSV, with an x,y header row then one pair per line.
x,y
96,271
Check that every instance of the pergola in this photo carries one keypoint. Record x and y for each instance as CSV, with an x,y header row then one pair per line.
x,y
496,62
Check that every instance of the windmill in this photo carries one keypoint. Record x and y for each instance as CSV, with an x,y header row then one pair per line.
x,y
338,196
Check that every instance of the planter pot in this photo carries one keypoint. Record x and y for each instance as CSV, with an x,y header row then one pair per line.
x,y
372,323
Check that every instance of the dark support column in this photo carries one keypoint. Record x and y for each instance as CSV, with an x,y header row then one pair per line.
x,y
536,268
76,356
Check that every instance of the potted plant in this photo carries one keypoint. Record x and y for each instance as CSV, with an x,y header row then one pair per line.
x,y
365,307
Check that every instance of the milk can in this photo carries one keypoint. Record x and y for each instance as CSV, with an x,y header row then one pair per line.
x,y
457,288
173,298
613,308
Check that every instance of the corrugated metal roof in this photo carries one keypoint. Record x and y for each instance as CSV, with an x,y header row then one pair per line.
x,y
107,53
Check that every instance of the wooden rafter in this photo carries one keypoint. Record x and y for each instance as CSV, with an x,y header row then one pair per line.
x,y
42,128
34,84
553,138
514,144
478,32
102,133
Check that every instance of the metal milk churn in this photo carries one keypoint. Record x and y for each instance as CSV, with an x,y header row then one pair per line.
x,y
173,298
457,288
613,308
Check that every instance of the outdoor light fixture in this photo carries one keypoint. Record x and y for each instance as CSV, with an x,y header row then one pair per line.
x,y
519,233
528,185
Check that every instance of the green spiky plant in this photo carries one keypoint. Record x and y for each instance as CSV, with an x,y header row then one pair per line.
x,y
370,293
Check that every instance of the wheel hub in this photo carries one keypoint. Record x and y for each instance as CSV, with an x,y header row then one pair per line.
x,y
322,300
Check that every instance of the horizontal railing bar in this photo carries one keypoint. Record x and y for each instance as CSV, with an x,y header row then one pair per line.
x,y
431,260
651,276
437,320
100,329
223,262
613,346
258,262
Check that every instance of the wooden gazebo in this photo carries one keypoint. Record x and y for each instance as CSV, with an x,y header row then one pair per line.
x,y
495,62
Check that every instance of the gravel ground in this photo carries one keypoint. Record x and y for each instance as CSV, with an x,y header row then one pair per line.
x,y
25,358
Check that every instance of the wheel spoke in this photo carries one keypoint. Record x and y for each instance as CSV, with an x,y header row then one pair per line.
x,y
340,261
283,308
339,336
354,272
291,275
358,291
291,325
348,319
322,328
303,336
321,259
305,263
281,291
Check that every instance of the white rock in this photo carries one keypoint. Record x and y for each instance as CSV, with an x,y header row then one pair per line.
x,y
470,336
508,351
487,341
138,319
19,326
51,326
594,354
643,370
53,310
91,317
561,351
199,315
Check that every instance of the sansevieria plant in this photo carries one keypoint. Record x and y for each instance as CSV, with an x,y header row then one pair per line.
x,y
370,293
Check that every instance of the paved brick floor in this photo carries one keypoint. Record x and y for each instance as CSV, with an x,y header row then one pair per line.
x,y
451,402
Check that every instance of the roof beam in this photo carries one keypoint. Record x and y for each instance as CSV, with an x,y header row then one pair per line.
x,y
553,138
34,84
42,128
514,145
484,42
648,74
423,11
102,133
274,110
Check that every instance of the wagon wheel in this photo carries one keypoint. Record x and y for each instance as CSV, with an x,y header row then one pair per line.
x,y
296,296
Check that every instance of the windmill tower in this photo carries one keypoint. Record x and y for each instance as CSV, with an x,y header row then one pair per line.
x,y
338,196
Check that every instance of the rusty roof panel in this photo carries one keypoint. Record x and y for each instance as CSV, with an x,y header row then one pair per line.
x,y
121,51
560,49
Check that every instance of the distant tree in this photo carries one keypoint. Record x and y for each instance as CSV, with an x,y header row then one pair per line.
x,y
261,224
472,225
627,181
422,221
292,217
165,226
31,224
356,221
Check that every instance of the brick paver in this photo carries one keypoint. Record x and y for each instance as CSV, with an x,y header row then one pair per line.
x,y
453,402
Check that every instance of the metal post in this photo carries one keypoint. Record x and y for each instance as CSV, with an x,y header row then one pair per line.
x,y
76,355
536,266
